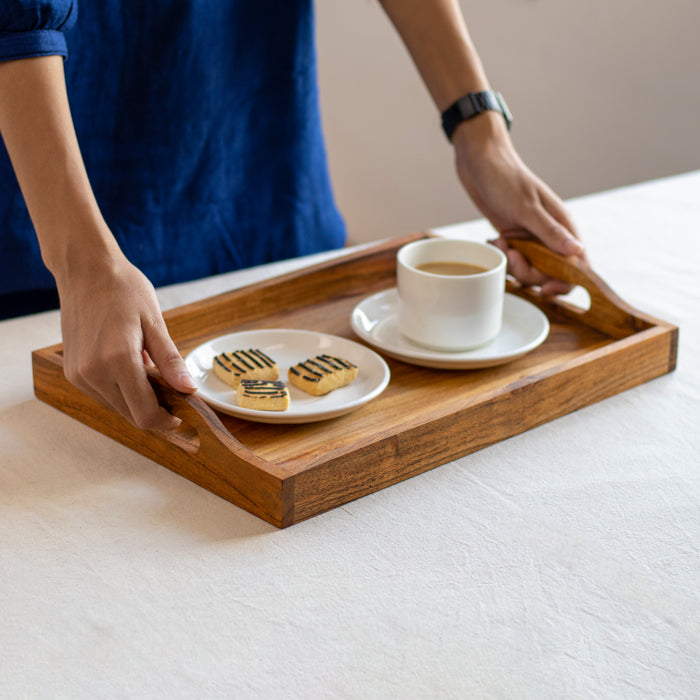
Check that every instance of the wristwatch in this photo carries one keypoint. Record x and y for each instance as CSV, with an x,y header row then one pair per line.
x,y
471,105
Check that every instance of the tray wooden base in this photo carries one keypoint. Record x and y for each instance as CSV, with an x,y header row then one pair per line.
x,y
425,418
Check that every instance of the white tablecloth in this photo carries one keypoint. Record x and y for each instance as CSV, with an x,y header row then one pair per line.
x,y
562,563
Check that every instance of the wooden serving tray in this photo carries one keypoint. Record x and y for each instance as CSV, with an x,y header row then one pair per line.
x,y
425,417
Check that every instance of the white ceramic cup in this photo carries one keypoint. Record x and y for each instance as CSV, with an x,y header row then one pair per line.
x,y
450,312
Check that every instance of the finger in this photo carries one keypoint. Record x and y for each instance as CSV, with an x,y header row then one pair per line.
x,y
143,408
528,275
103,395
519,267
556,208
145,414
551,232
520,234
523,271
554,287
166,357
147,361
110,395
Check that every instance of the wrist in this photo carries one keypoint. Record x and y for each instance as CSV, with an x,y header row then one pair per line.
x,y
82,251
485,131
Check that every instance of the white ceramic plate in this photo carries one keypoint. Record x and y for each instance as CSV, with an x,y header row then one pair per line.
x,y
524,328
287,347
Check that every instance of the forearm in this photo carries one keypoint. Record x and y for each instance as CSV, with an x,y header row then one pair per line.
x,y
437,39
515,201
36,126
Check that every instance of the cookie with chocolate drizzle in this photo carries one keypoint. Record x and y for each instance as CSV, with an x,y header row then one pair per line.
x,y
231,367
263,395
322,374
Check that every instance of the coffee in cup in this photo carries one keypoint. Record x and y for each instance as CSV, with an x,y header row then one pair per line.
x,y
450,293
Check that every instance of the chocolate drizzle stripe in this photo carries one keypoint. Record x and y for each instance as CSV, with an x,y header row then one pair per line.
x,y
254,355
260,382
264,358
329,361
218,361
305,367
264,388
343,363
243,357
320,366
229,359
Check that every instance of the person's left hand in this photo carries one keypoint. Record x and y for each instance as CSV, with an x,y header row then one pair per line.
x,y
516,202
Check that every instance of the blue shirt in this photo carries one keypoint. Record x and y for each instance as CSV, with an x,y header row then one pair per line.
x,y
199,125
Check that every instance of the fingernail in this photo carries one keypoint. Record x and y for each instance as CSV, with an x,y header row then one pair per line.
x,y
187,381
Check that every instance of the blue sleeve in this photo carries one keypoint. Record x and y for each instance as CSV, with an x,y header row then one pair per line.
x,y
35,27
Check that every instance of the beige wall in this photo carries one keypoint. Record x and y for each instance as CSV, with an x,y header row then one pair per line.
x,y
605,93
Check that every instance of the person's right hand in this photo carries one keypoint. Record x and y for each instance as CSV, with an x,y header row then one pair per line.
x,y
110,316
112,327
516,202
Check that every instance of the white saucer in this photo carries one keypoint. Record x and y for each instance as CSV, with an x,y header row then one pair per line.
x,y
525,327
287,347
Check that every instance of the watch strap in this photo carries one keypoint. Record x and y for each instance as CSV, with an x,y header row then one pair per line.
x,y
470,106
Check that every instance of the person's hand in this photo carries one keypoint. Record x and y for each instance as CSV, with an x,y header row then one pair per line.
x,y
111,320
516,202
112,328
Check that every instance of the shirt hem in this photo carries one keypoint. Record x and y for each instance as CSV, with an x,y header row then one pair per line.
x,y
41,42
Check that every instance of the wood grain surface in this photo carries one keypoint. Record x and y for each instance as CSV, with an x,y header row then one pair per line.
x,y
425,417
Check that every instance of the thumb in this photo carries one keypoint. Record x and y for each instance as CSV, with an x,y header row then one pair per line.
x,y
167,359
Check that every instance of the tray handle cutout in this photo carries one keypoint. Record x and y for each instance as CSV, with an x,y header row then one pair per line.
x,y
607,312
201,430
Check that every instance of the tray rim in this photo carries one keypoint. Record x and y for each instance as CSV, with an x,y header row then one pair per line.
x,y
277,503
